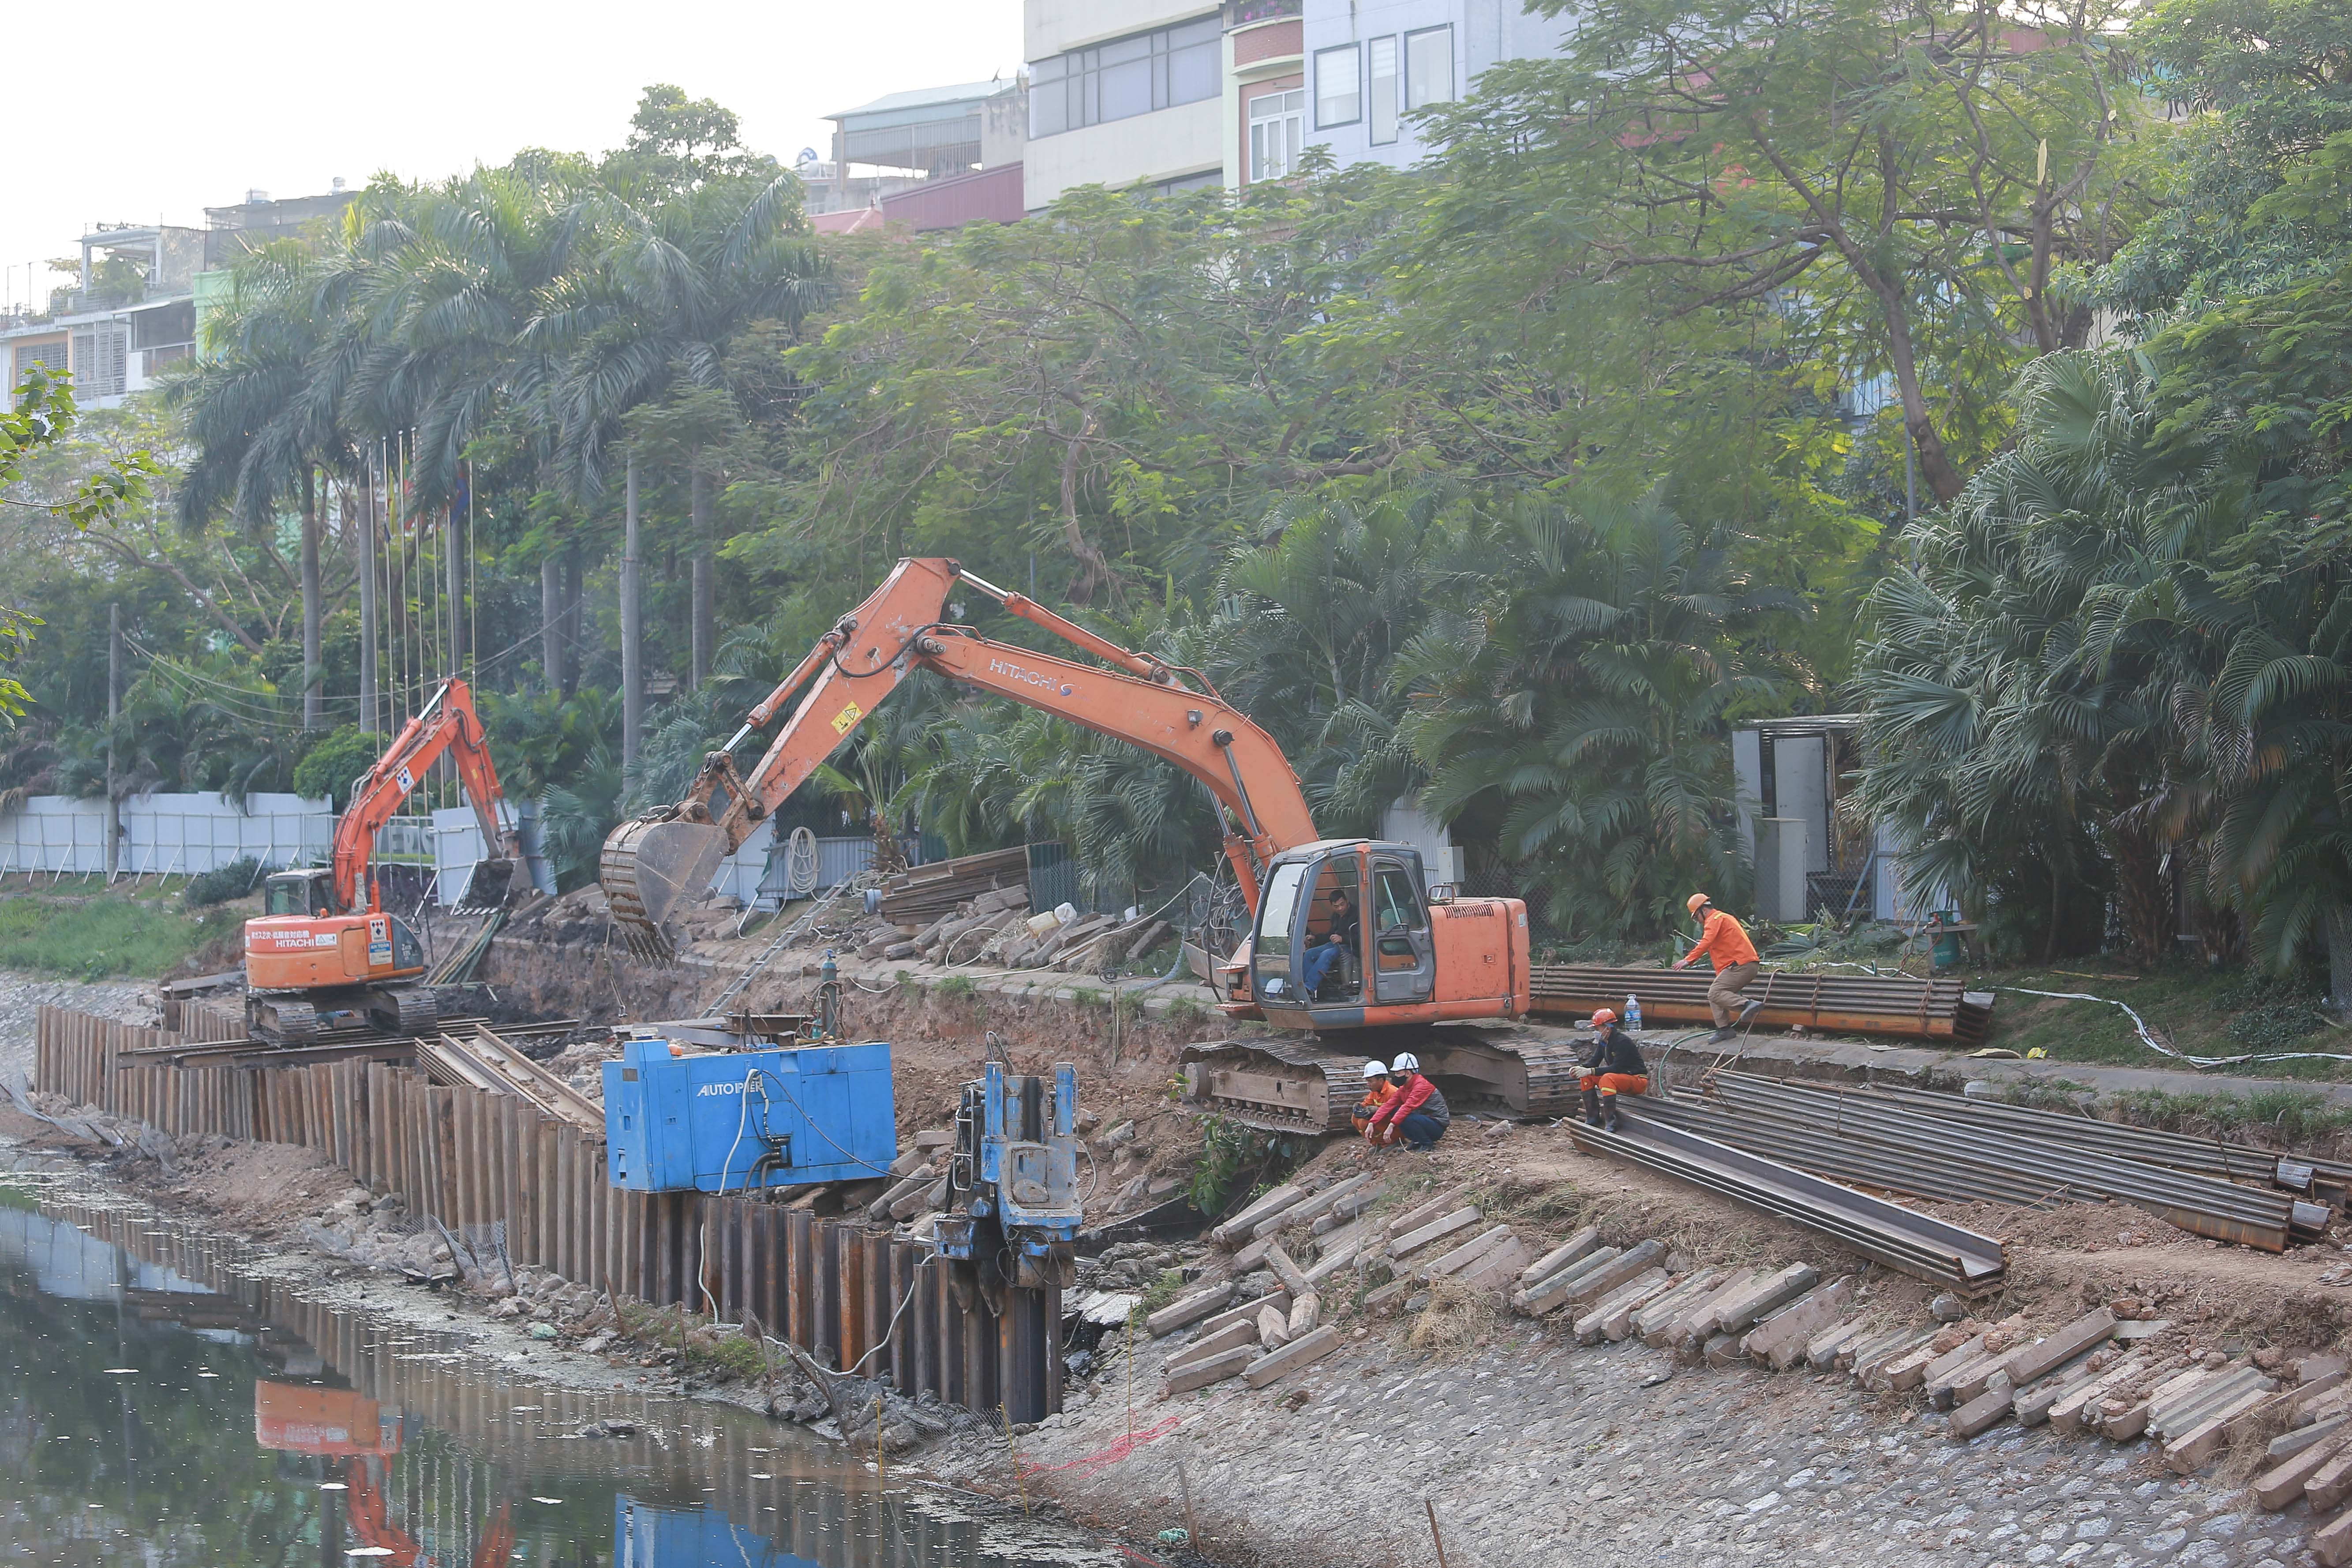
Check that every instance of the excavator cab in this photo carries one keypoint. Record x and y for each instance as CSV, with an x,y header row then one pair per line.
x,y
1315,954
308,891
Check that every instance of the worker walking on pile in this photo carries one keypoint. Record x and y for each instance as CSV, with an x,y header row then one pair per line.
x,y
1612,1066
1377,1091
1416,1109
1724,939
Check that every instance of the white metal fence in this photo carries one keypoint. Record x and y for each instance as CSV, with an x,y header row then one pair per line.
x,y
164,834
457,848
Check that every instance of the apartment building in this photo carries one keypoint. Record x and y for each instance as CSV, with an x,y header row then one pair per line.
x,y
1123,94
1371,62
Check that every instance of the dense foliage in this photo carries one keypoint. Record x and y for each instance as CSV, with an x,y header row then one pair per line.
x,y
1981,368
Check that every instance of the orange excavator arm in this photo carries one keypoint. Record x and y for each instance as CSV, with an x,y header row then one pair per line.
x,y
653,862
447,724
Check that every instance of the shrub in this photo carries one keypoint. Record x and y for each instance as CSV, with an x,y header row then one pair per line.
x,y
222,883
330,768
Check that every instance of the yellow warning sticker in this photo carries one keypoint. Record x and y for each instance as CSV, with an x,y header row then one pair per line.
x,y
846,718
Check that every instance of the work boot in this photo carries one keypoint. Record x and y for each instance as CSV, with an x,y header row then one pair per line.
x,y
1593,1108
1748,1014
1723,1035
1608,1113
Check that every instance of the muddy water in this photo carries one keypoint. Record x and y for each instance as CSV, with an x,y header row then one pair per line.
x,y
160,1404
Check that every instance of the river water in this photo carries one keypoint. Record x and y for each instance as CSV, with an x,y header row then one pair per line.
x,y
160,1404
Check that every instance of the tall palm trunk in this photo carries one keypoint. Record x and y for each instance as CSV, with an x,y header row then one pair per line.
x,y
550,620
2339,954
312,674
706,619
633,683
360,532
574,657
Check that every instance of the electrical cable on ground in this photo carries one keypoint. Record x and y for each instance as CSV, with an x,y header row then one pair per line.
x,y
2147,1036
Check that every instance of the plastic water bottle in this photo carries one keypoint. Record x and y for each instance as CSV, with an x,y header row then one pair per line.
x,y
1632,1013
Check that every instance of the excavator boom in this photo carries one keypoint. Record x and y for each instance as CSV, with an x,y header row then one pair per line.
x,y
654,863
447,724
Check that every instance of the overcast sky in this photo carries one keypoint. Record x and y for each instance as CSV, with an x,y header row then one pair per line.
x,y
176,107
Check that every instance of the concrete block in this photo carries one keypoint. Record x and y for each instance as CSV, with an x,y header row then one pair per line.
x,y
2200,1442
1911,1370
2329,1482
2075,1409
2287,1444
1781,1340
1619,1303
1962,1383
2122,1426
1286,1269
2333,1545
1776,1291
1304,1313
1281,1363
1247,1312
2033,1403
1308,1210
1821,1350
2030,1363
1421,1214
1494,1269
1227,1338
1211,1369
1693,1285
1562,1280
1387,1296
1252,1258
1188,1309
1697,1322
1436,1230
2312,1368
1980,1414
1460,1256
1273,1328
1233,1231
1558,1258
2279,1486
1721,1350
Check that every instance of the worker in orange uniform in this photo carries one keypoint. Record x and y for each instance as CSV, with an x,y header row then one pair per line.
x,y
1612,1066
1377,1093
1725,940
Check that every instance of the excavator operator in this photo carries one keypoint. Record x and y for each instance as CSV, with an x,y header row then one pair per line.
x,y
1344,935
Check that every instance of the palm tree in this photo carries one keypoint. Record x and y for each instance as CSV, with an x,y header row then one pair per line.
x,y
658,293
1580,706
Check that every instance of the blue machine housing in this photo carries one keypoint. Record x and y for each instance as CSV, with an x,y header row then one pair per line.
x,y
719,1122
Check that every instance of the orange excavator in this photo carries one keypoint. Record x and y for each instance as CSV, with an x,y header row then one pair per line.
x,y
325,954
1396,953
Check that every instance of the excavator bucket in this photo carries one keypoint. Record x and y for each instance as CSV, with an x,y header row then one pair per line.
x,y
488,887
651,866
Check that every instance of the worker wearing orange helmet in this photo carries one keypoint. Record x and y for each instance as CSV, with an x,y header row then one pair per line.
x,y
1612,1066
1724,939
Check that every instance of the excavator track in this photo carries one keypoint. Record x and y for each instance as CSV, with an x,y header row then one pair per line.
x,y
1297,1084
281,1020
1277,1084
412,1010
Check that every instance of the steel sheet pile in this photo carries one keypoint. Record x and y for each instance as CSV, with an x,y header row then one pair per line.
x,y
1902,1239
1835,1003
1938,1147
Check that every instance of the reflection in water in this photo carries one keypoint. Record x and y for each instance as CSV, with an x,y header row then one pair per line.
x,y
159,1406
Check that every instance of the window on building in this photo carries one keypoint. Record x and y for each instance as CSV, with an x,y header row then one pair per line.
x,y
101,361
50,356
1428,66
1338,88
1380,56
1126,77
1277,130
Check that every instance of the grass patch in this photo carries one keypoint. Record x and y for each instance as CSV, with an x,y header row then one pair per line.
x,y
2059,1094
2289,1119
102,935
958,988
1162,1291
2193,1008
1457,1320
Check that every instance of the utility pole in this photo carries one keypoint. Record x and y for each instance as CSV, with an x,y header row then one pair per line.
x,y
633,678
114,711
364,537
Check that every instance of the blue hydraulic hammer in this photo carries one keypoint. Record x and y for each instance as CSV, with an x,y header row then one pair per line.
x,y
1013,1210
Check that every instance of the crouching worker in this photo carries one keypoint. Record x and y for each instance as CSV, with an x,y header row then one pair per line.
x,y
1612,1066
1414,1110
1377,1091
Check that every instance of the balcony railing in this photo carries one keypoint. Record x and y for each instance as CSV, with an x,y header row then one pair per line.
x,y
1242,13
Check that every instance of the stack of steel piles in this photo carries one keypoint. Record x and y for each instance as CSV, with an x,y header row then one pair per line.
x,y
927,892
1896,1144
1838,1004
1902,1239
2234,1162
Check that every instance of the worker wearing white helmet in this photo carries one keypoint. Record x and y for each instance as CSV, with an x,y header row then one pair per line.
x,y
1377,1093
1416,1111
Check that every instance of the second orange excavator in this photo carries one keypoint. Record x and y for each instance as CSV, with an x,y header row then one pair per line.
x,y
1346,934
325,953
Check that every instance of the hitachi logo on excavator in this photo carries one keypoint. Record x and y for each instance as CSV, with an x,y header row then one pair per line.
x,y
1027,677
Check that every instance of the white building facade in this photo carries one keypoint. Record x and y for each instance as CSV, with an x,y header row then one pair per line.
x,y
1371,62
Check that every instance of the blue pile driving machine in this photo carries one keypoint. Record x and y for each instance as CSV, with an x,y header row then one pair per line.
x,y
1013,1208
725,1122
